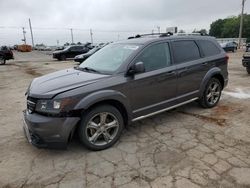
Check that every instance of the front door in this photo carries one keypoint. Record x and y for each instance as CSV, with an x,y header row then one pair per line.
x,y
151,90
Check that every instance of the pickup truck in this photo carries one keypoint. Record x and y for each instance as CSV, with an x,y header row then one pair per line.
x,y
246,60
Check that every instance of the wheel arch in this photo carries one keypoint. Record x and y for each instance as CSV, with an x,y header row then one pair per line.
x,y
213,73
111,97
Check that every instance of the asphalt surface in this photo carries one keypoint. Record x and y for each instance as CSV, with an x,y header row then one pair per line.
x,y
186,147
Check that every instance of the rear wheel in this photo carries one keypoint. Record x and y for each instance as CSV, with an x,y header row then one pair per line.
x,y
248,70
101,127
212,93
2,61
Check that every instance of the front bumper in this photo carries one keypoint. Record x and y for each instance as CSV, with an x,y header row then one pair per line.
x,y
48,132
78,60
55,56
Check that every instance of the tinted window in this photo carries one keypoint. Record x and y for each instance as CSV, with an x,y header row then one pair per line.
x,y
209,48
155,57
185,51
76,48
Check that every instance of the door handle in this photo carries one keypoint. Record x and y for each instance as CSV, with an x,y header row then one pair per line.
x,y
170,72
183,70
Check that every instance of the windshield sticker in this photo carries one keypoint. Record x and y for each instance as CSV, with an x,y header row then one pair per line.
x,y
131,47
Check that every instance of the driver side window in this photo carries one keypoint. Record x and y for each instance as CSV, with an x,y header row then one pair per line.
x,y
155,57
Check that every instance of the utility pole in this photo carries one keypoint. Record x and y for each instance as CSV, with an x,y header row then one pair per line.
x,y
91,36
241,22
31,32
72,37
159,29
24,37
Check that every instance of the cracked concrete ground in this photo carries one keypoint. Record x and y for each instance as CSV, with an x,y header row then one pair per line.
x,y
185,147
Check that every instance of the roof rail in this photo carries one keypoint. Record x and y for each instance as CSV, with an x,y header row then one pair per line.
x,y
152,34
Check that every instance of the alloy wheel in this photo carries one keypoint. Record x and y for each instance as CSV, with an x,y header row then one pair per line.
x,y
213,93
102,128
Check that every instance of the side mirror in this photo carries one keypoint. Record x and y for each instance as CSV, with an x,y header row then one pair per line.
x,y
136,68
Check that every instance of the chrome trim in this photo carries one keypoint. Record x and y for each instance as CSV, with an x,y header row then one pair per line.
x,y
30,102
163,110
165,102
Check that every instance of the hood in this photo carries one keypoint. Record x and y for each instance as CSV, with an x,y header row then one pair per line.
x,y
49,85
58,51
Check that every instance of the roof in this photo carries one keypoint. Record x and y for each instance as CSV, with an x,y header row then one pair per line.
x,y
149,39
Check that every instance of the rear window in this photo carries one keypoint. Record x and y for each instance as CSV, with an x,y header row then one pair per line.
x,y
185,51
208,48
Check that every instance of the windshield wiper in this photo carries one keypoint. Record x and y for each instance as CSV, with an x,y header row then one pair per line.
x,y
88,69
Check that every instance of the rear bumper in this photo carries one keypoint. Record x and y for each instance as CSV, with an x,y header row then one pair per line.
x,y
48,132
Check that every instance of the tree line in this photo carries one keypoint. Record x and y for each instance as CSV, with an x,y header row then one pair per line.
x,y
229,27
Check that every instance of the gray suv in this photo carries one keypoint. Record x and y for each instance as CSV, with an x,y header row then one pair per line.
x,y
122,83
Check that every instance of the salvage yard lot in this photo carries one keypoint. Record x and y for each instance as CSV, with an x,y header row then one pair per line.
x,y
186,147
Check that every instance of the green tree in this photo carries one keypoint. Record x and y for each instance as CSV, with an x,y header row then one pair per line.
x,y
216,28
229,27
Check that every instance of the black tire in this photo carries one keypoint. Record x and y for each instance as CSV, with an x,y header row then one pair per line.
x,y
2,61
248,70
62,58
86,133
206,101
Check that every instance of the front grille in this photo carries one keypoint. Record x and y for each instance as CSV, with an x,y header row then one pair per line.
x,y
31,104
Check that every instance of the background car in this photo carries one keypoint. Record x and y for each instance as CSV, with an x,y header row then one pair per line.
x,y
246,59
229,46
80,58
5,54
70,52
247,47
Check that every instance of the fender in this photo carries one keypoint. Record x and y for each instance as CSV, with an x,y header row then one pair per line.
x,y
103,95
207,77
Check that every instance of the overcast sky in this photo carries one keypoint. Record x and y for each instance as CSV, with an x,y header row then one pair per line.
x,y
110,20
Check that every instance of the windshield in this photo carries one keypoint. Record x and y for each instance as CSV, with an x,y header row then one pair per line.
x,y
109,58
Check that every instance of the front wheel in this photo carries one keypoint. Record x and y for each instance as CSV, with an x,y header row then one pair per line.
x,y
101,127
212,94
2,61
62,58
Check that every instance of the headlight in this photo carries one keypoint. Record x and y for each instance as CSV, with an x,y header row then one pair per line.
x,y
54,106
79,56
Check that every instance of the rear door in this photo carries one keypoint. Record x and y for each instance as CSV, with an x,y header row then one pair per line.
x,y
190,66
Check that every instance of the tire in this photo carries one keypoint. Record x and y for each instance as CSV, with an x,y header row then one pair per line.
x,y
248,70
212,94
62,58
2,61
97,135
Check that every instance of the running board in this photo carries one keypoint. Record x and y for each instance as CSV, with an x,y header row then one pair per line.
x,y
163,110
